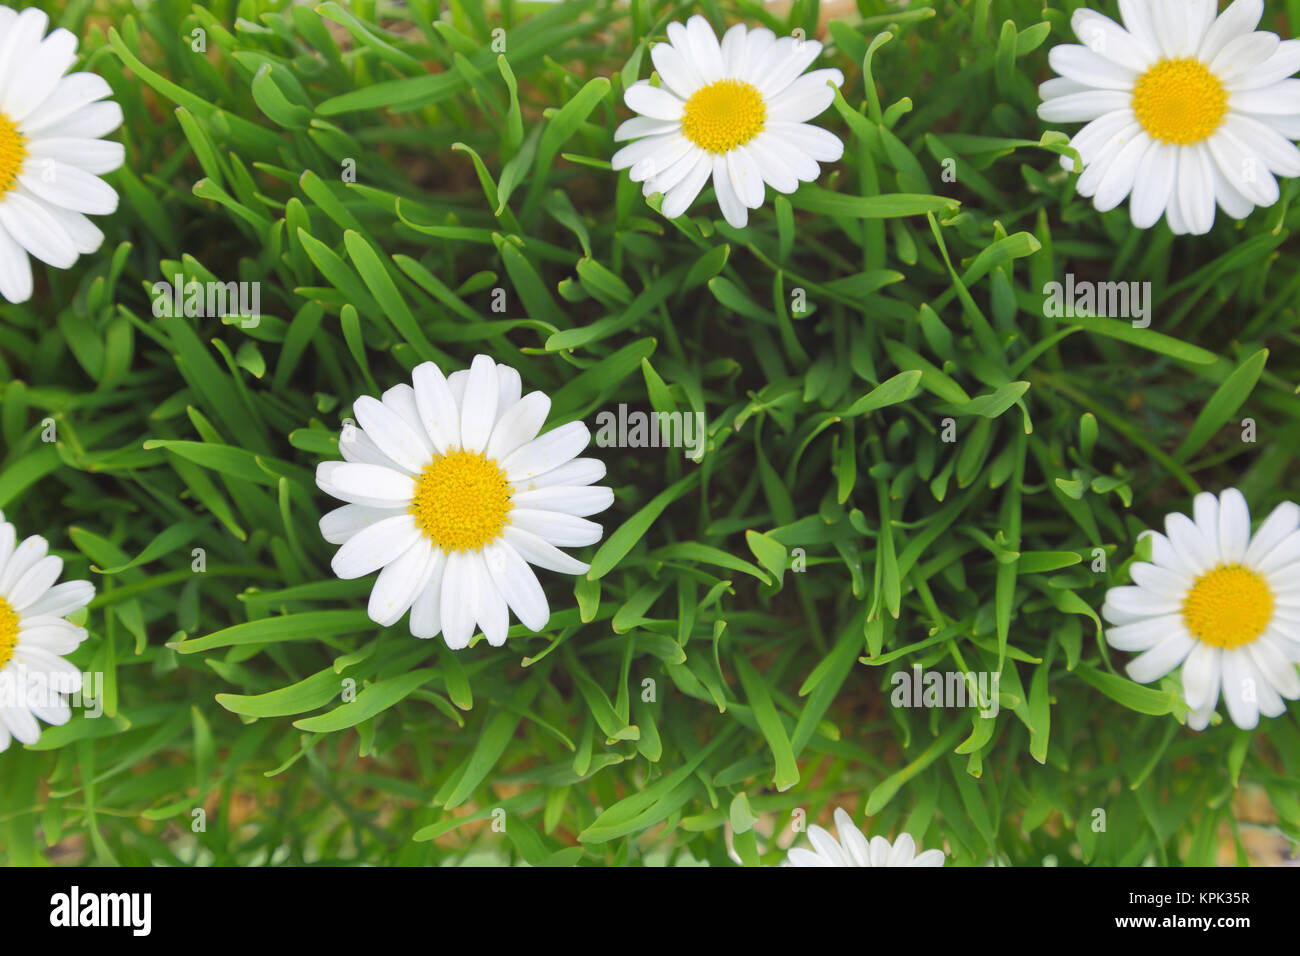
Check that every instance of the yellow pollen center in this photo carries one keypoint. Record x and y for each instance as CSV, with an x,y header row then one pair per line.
x,y
13,150
461,501
8,632
723,115
1180,101
1228,607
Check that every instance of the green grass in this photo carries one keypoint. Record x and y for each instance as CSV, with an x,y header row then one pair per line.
x,y
476,171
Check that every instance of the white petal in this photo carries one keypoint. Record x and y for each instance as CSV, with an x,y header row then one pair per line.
x,y
15,269
653,101
399,583
1091,69
518,424
458,600
679,198
808,96
563,531
375,546
1274,665
706,54
44,67
371,485
1241,689
1240,18
426,611
437,405
1276,528
1283,63
66,185
391,434
1242,55
1123,169
639,126
23,559
517,584
821,145
72,93
1139,601
1144,634
801,56
1279,155
746,177
587,500
548,451
1161,659
1196,189
61,600
36,230
733,210
1234,525
1281,557
542,554
1153,185
1201,675
479,410
35,582
1190,544
490,610
827,847
675,71
1104,36
1278,99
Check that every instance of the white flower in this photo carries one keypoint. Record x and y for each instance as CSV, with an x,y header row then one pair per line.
x,y
852,848
737,112
453,494
1223,604
51,153
34,637
1183,109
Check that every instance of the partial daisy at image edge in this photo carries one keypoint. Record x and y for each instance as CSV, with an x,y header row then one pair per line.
x,y
734,112
453,497
1222,603
1185,110
35,637
854,849
52,153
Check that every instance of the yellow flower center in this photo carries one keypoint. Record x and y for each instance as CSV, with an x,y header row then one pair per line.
x,y
13,150
461,501
1180,101
723,115
8,632
1228,607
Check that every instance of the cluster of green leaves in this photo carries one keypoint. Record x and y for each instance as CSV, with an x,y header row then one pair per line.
x,y
382,171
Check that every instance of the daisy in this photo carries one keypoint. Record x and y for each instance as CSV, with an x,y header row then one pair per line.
x,y
852,848
1183,109
34,637
737,112
1222,603
51,153
452,495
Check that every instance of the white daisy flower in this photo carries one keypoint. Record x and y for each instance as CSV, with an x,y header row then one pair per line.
x,y
34,637
51,151
1223,604
853,849
453,495
1183,109
736,111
